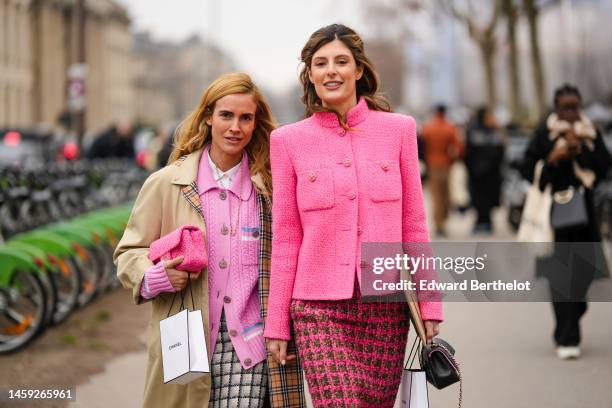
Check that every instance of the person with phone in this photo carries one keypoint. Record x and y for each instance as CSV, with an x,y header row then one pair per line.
x,y
574,159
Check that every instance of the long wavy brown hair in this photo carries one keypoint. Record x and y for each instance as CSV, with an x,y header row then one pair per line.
x,y
367,85
193,133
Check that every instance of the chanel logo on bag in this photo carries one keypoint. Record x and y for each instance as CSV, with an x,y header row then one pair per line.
x,y
175,345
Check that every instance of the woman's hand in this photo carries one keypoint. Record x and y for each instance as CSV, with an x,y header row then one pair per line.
x,y
178,279
568,150
278,349
431,329
573,143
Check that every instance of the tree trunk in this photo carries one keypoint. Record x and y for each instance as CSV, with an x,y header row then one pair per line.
x,y
536,60
488,58
486,41
511,14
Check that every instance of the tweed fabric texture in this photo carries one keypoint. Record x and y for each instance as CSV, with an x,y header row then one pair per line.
x,y
352,352
231,384
333,190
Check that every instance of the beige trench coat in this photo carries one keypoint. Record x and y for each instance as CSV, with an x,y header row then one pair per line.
x,y
161,207
168,200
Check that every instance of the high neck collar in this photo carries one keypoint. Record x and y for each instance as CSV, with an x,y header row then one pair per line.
x,y
354,116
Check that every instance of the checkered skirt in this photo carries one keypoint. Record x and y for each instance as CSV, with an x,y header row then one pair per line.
x,y
351,352
232,385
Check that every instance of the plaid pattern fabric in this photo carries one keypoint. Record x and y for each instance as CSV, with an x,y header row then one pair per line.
x,y
231,384
265,251
286,386
192,196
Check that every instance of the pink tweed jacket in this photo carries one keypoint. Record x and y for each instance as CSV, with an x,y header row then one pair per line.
x,y
332,190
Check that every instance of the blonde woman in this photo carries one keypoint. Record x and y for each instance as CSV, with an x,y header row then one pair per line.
x,y
218,179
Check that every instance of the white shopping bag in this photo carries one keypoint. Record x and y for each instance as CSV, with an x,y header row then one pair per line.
x,y
459,194
414,389
184,353
535,220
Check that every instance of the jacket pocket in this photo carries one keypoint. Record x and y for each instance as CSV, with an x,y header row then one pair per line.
x,y
315,190
385,180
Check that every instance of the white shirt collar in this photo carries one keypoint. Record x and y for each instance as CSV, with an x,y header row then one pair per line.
x,y
223,178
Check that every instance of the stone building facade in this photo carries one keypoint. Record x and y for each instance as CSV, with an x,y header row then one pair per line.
x,y
16,74
39,40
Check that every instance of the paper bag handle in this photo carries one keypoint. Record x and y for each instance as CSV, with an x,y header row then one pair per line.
x,y
411,356
413,305
182,299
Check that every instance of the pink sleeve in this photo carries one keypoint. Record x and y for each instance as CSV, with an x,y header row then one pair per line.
x,y
155,281
414,219
286,240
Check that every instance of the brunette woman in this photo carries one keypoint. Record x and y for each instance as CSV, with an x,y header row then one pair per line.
x,y
345,175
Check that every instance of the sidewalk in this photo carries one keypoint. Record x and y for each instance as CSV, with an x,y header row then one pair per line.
x,y
120,385
505,351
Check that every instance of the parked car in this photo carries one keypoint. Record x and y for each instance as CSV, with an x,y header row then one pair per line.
x,y
21,146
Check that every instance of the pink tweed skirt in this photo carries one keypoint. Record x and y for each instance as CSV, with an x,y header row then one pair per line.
x,y
352,352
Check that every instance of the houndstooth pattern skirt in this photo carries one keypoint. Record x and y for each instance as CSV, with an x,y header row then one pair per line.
x,y
233,386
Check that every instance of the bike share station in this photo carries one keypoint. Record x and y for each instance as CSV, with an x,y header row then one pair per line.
x,y
59,225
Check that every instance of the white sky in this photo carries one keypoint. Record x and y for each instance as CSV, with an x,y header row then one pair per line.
x,y
263,37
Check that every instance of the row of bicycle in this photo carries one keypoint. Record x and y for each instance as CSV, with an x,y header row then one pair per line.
x,y
37,194
47,273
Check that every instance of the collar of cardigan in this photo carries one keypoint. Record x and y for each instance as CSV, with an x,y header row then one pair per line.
x,y
206,180
183,172
354,116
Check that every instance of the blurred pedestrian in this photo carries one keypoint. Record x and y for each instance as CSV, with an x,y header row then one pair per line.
x,y
219,180
484,155
164,153
442,147
345,175
116,141
160,147
574,159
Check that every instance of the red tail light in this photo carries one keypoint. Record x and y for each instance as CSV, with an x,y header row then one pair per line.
x,y
71,151
12,138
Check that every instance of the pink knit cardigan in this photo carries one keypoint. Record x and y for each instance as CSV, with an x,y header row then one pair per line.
x,y
332,190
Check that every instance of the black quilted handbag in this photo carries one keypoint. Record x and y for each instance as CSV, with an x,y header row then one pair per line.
x,y
436,358
438,361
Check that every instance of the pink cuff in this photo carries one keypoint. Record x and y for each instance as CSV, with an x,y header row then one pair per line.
x,y
431,311
155,281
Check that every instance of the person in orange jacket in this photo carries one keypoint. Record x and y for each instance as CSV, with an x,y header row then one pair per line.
x,y
442,147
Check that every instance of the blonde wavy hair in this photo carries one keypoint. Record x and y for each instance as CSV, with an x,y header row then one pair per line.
x,y
193,133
